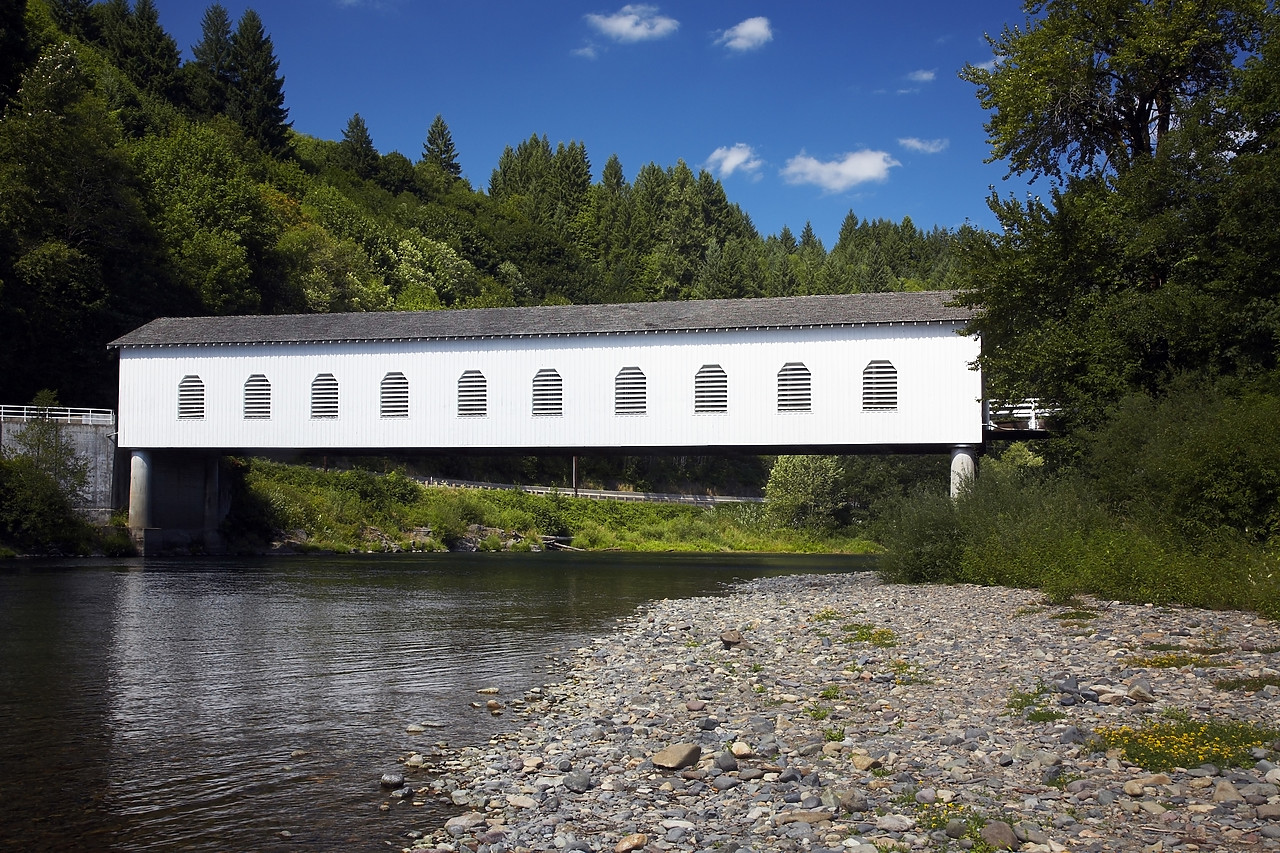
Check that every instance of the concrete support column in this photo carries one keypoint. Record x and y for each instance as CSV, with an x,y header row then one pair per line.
x,y
964,467
139,490
211,493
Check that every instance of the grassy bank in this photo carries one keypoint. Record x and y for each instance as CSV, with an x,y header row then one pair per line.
x,y
355,509
1176,500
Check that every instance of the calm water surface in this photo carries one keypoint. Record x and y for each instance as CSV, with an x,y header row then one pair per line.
x,y
214,705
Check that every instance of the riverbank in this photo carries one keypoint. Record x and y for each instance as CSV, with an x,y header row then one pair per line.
x,y
302,509
837,712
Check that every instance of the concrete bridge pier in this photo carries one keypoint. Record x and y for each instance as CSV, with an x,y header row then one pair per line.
x,y
177,501
964,467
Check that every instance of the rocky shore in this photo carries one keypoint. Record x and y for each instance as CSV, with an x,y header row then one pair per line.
x,y
834,712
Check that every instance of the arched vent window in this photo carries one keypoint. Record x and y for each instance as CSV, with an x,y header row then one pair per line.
x,y
630,392
257,397
879,387
324,396
394,400
710,390
548,394
473,395
794,388
191,398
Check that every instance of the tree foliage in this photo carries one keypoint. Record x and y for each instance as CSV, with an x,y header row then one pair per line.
x,y
1093,86
42,476
806,491
133,186
256,100
439,150
1165,261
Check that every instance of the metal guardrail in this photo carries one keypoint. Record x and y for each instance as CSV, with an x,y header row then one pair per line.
x,y
97,417
1029,410
597,494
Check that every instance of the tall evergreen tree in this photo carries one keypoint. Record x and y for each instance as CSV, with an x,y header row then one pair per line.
x,y
257,89
75,17
438,148
356,149
15,48
140,47
211,71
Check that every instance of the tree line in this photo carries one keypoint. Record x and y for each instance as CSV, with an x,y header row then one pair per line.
x,y
135,185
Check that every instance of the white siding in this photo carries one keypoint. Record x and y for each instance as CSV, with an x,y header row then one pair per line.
x,y
938,394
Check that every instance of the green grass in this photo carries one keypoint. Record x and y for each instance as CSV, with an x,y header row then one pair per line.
x,y
335,509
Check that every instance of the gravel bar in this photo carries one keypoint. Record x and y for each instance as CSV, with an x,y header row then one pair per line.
x,y
836,712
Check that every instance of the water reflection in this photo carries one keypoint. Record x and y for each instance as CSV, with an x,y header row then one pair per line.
x,y
214,705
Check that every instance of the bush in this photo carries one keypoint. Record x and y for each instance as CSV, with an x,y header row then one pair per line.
x,y
1200,459
41,478
924,540
806,491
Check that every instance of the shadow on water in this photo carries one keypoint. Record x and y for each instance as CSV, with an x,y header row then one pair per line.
x,y
217,704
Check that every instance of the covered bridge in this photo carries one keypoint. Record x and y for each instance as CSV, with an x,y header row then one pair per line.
x,y
855,373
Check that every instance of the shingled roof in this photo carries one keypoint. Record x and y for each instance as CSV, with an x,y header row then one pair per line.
x,y
854,309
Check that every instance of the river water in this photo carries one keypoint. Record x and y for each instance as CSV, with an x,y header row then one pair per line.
x,y
253,704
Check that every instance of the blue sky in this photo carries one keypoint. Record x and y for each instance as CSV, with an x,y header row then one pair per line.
x,y
804,110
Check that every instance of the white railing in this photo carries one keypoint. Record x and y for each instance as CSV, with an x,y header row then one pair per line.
x,y
97,417
1029,411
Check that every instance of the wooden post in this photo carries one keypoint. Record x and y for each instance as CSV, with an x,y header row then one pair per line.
x,y
575,475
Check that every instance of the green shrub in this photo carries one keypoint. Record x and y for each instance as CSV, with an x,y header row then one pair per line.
x,y
806,491
924,541
1199,459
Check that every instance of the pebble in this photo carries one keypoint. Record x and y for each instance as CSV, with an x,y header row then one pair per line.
x,y
755,721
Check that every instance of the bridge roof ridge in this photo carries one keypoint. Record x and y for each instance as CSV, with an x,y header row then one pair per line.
x,y
851,309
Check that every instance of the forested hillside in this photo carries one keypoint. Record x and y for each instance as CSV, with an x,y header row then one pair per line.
x,y
135,185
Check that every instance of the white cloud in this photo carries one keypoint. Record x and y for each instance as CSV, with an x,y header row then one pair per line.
x,y
634,22
924,75
586,51
924,146
740,157
835,176
748,35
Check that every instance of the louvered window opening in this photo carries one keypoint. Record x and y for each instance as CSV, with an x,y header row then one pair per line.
x,y
394,399
473,395
324,397
879,387
257,397
794,388
710,390
191,398
630,392
548,394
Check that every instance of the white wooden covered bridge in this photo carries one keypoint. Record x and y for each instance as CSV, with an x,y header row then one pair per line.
x,y
887,372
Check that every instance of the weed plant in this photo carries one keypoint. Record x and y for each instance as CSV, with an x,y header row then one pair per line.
x,y
1179,741
1022,527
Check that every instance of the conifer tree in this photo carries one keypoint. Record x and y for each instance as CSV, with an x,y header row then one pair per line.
x,y
211,70
439,150
257,90
15,48
358,153
140,47
75,17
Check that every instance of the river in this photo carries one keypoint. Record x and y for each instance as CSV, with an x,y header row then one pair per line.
x,y
211,705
